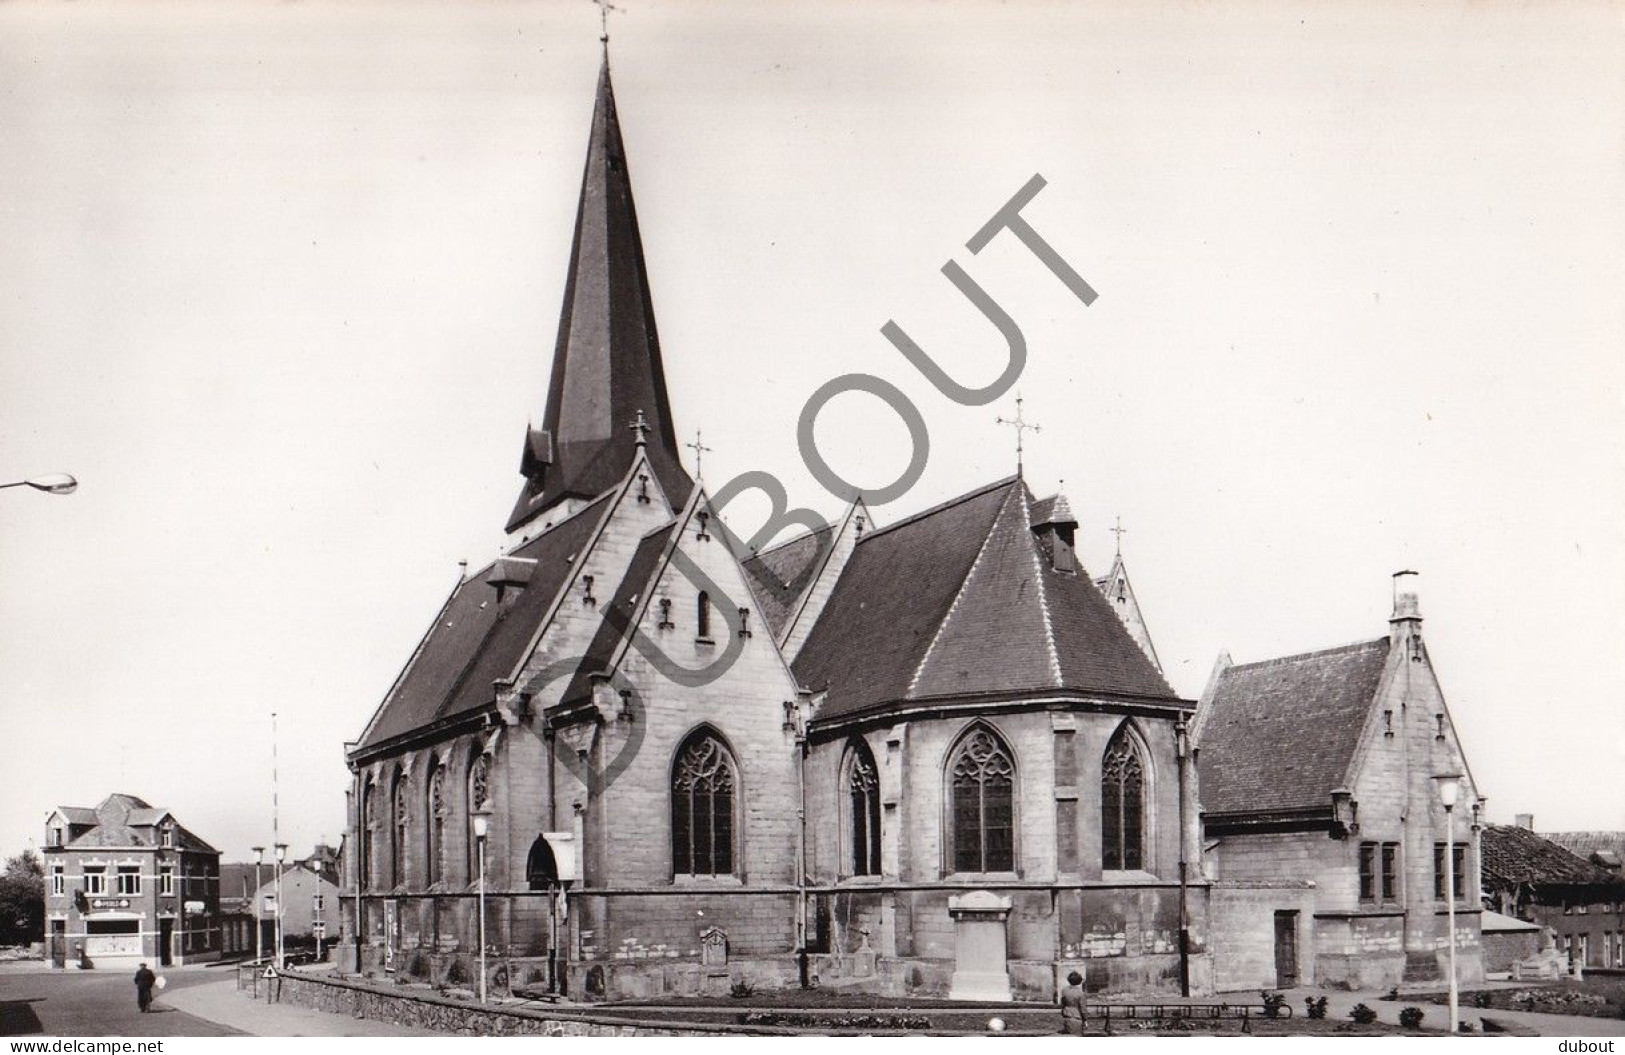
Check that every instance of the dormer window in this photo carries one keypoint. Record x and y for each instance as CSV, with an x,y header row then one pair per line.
x,y
53,837
166,837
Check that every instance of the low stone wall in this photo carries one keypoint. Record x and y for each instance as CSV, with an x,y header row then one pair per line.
x,y
428,1010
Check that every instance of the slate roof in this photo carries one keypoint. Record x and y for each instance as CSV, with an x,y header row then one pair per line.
x,y
1279,735
1514,857
957,602
606,362
779,575
474,641
125,820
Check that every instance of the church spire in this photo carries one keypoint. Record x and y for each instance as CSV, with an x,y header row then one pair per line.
x,y
606,362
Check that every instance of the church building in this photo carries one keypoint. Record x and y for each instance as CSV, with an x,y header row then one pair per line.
x,y
867,757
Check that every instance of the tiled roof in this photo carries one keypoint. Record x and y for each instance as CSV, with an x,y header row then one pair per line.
x,y
1515,857
959,601
77,814
1587,843
1279,735
780,575
474,641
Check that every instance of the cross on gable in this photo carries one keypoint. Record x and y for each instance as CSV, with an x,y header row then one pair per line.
x,y
1022,426
1119,531
700,451
641,427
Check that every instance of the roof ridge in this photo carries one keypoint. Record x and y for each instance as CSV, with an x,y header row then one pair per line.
x,y
1353,646
959,594
789,541
938,508
1043,593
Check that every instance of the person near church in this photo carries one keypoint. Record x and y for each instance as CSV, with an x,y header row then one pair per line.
x,y
144,981
1072,1005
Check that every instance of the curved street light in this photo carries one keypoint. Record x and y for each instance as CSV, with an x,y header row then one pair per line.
x,y
50,483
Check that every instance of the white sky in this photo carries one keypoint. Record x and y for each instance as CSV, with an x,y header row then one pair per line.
x,y
279,283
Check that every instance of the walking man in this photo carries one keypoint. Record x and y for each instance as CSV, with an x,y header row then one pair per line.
x,y
1072,1005
144,980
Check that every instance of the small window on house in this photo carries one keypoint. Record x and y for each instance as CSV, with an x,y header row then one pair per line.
x,y
166,880
54,836
702,616
128,879
59,881
96,880
1390,871
1368,872
167,837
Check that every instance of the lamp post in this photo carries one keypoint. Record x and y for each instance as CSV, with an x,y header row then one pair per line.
x,y
259,906
482,827
281,855
50,483
1449,789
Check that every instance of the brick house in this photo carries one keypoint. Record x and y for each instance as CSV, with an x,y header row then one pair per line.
x,y
1325,830
700,769
125,883
1534,878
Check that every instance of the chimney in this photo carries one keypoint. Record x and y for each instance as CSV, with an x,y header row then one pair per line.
x,y
1406,622
1526,821
1055,527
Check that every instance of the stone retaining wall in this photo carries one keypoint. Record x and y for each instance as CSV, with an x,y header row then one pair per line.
x,y
428,1010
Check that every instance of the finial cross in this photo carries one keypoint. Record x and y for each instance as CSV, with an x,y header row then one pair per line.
x,y
700,451
604,8
1022,426
1119,531
641,427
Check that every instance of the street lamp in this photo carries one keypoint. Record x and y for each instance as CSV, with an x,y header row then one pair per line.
x,y
259,906
50,483
281,855
482,827
1449,789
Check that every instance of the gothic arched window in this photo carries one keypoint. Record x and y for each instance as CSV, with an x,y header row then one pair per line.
x,y
401,808
1122,804
702,615
436,842
863,792
703,785
981,784
368,871
478,798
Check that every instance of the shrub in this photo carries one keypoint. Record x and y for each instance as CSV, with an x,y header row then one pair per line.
x,y
741,989
1273,1003
1315,1006
456,974
1362,1014
1393,994
1411,1018
1481,999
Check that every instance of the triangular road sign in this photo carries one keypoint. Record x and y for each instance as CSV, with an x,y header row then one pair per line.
x,y
270,972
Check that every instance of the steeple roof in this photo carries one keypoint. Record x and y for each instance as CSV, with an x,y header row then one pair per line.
x,y
606,362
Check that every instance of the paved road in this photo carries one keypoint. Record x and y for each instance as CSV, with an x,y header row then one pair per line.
x,y
34,1001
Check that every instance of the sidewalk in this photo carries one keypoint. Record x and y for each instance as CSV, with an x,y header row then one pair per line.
x,y
222,1002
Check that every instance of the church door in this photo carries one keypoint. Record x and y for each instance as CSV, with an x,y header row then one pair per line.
x,y
1286,950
